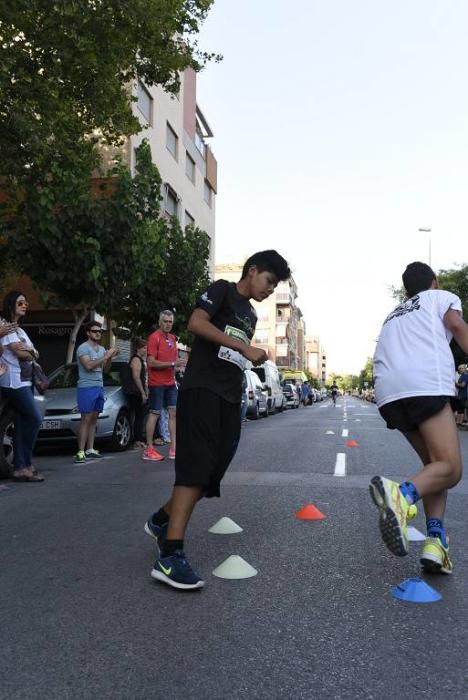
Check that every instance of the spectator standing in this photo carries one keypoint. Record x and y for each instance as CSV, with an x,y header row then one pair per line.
x,y
93,359
462,391
16,382
135,388
305,389
162,363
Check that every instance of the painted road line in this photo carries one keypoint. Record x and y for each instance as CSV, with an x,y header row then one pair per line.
x,y
340,465
345,432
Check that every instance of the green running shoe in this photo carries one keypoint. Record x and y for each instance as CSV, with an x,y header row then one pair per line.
x,y
395,512
435,557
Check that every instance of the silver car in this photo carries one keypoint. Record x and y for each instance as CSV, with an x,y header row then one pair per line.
x,y
257,402
61,417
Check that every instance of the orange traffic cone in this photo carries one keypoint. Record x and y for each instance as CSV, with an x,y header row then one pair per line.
x,y
310,512
352,443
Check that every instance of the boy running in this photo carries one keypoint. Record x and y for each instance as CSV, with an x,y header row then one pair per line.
x,y
208,410
414,374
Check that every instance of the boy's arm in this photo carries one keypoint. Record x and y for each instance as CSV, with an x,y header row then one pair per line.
x,y
200,324
458,328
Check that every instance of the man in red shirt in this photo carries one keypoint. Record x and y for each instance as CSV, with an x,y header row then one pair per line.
x,y
162,363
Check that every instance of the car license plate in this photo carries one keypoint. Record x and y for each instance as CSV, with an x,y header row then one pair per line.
x,y
51,424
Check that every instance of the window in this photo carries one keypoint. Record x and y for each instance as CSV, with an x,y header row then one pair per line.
x,y
208,193
190,167
281,330
171,140
261,337
199,142
144,102
189,220
171,201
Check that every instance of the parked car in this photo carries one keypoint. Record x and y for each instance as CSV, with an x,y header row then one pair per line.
x,y
61,417
317,395
270,378
291,395
256,397
6,439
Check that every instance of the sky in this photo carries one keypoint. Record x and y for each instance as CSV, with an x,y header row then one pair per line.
x,y
340,129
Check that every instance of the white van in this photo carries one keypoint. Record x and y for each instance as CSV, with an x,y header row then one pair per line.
x,y
270,378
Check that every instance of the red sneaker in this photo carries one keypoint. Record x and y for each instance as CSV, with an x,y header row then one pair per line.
x,y
171,454
152,455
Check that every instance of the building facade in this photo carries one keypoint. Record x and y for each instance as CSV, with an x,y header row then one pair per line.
x,y
178,133
316,358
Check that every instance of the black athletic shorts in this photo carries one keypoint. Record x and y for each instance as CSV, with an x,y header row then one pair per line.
x,y
208,432
406,415
457,404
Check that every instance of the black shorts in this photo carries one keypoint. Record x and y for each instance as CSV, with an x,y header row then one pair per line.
x,y
458,406
407,414
208,432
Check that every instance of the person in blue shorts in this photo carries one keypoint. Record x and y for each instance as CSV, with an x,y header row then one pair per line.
x,y
92,360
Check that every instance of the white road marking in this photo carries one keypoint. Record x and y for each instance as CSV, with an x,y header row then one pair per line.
x,y
340,465
329,432
414,535
345,432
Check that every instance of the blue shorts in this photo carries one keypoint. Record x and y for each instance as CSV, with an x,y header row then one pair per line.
x,y
160,396
90,399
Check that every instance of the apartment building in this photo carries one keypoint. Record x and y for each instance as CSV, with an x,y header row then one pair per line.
x,y
316,358
179,135
279,320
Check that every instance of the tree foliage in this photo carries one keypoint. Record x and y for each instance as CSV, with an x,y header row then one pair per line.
x,y
456,281
112,252
366,375
184,275
66,70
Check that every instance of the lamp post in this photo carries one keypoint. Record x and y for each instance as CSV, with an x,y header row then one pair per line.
x,y
428,231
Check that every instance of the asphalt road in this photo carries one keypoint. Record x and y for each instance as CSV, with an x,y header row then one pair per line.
x,y
81,618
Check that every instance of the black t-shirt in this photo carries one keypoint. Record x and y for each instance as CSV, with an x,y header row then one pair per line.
x,y
216,367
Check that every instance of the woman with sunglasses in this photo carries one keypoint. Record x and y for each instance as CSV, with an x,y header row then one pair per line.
x,y
16,383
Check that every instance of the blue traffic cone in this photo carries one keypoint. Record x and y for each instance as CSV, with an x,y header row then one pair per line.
x,y
415,590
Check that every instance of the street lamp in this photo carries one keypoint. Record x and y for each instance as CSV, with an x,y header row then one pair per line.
x,y
428,231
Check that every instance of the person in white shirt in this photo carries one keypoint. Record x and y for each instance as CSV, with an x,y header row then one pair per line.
x,y
414,374
16,383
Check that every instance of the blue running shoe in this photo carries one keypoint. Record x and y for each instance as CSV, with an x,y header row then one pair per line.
x,y
176,572
158,532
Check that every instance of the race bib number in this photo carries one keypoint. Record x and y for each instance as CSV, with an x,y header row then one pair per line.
x,y
230,355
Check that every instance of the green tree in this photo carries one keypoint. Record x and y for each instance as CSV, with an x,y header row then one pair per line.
x,y
106,252
67,68
183,277
366,376
456,281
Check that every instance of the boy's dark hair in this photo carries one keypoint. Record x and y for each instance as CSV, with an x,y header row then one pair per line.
x,y
92,324
9,304
268,261
417,278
